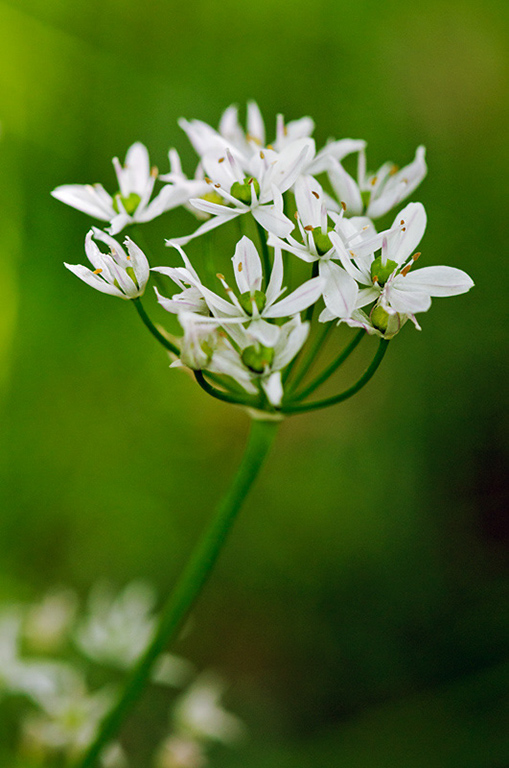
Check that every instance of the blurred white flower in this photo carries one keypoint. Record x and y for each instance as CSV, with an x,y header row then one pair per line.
x,y
198,713
119,273
131,204
47,624
69,719
180,752
118,628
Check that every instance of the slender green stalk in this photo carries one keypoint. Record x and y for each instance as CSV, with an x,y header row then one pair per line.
x,y
314,348
153,330
332,367
265,252
226,396
190,584
303,407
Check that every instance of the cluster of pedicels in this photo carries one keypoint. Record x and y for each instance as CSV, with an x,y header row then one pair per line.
x,y
50,650
304,205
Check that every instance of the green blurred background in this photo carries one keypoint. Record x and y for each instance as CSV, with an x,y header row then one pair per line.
x,y
360,610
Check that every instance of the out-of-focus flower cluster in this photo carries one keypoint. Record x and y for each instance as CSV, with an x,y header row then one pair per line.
x,y
50,650
301,204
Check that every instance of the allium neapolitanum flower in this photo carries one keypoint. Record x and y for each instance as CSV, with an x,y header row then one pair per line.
x,y
398,290
122,273
377,193
132,202
254,306
244,341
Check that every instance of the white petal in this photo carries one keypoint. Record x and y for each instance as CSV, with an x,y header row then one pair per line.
x,y
266,333
291,338
85,198
272,220
255,124
336,150
140,263
273,388
340,291
247,266
95,281
309,198
302,298
435,281
206,227
345,188
276,277
406,232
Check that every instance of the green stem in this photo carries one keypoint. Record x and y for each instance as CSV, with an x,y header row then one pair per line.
x,y
303,407
332,367
227,397
321,335
153,330
190,584
265,253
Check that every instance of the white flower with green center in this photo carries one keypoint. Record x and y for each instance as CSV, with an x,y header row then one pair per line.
x,y
376,194
260,364
121,272
254,307
340,290
388,277
257,189
131,204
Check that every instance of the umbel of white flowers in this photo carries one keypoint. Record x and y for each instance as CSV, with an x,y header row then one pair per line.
x,y
250,338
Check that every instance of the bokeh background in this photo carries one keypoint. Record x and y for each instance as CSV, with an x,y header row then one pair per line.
x,y
361,608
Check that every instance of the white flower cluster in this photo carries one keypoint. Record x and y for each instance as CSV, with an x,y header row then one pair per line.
x,y
305,205
38,645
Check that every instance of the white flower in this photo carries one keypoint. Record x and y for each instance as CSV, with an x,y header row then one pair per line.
x,y
256,188
47,623
377,193
199,715
390,282
70,718
257,363
340,290
118,629
118,273
184,188
132,202
180,752
254,306
39,679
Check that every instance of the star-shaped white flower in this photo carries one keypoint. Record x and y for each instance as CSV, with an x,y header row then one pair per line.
x,y
131,204
377,193
122,273
253,307
389,278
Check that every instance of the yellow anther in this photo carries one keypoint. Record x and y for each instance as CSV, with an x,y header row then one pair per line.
x,y
97,271
220,276
221,160
406,270
309,228
416,256
343,205
374,180
262,155
315,194
240,266
269,146
154,171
